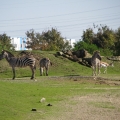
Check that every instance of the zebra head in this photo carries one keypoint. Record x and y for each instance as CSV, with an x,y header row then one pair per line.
x,y
2,55
97,55
5,54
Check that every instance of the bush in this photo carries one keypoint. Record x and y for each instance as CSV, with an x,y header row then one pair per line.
x,y
106,52
83,45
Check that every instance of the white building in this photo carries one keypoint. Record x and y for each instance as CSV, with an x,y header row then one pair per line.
x,y
19,43
71,42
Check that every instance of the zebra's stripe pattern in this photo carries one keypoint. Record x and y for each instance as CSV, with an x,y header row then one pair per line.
x,y
23,62
19,62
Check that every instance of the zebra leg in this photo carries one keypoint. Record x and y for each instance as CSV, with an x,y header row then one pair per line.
x,y
46,71
41,71
98,70
33,72
93,70
13,69
95,73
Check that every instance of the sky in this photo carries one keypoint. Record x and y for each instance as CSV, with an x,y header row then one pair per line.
x,y
69,17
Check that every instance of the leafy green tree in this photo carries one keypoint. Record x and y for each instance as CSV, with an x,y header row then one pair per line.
x,y
88,36
5,42
54,39
84,45
33,41
117,43
105,38
48,40
66,45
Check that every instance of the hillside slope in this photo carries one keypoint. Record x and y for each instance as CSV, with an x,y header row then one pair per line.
x,y
61,67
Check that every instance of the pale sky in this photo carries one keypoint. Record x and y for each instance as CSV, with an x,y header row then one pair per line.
x,y
70,17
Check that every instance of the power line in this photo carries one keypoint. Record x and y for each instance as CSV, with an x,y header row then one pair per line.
x,y
57,21
95,10
61,21
70,25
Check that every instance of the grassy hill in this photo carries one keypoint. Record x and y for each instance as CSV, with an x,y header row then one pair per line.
x,y
61,67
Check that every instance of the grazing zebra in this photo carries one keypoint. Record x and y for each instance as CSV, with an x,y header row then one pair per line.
x,y
19,62
44,64
95,62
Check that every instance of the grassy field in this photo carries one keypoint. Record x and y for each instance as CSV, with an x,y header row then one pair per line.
x,y
69,88
61,67
64,94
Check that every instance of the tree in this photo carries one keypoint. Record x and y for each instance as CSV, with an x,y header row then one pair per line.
x,y
88,36
54,39
117,43
105,38
48,40
33,41
5,42
83,45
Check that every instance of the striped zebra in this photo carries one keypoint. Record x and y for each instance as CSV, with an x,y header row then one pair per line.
x,y
19,62
95,62
44,64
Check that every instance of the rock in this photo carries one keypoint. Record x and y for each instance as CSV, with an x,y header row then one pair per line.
x,y
34,109
49,104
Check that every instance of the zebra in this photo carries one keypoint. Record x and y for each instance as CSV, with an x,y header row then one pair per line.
x,y
95,62
19,62
44,64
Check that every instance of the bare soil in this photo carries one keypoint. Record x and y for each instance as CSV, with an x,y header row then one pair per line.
x,y
93,106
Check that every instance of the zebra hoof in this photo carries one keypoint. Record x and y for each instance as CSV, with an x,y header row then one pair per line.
x,y
32,78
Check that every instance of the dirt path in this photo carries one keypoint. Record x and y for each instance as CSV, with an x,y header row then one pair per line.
x,y
94,106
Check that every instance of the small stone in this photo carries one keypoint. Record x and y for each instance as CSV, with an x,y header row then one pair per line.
x,y
49,104
34,109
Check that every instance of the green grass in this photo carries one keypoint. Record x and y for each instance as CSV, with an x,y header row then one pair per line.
x,y
61,67
20,96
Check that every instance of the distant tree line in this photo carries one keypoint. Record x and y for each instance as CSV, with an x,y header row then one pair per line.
x,y
5,42
48,40
106,40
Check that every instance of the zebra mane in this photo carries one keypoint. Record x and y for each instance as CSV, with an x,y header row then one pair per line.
x,y
96,54
9,53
